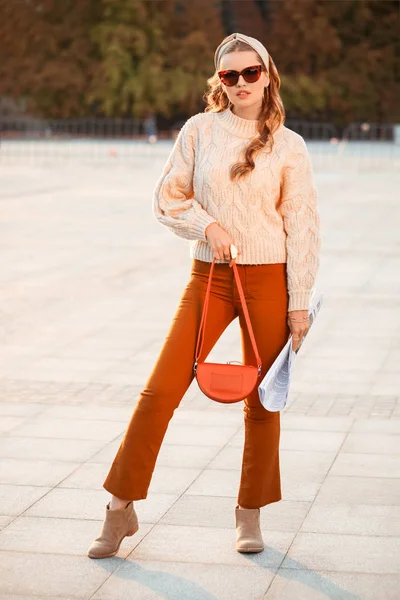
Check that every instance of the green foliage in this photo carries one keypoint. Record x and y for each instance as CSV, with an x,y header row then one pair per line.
x,y
149,59
338,61
130,77
304,95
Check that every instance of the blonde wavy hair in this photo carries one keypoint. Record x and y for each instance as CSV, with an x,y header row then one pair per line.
x,y
272,113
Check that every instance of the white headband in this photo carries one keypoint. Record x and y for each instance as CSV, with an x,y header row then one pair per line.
x,y
255,44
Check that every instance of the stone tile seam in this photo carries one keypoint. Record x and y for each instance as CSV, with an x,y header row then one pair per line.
x,y
54,487
319,452
310,507
203,470
255,565
265,530
103,420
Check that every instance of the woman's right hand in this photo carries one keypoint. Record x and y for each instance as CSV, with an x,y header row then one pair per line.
x,y
220,241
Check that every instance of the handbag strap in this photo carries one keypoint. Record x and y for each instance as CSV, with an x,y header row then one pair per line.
x,y
200,338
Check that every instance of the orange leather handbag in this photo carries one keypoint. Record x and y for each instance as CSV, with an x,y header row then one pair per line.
x,y
228,382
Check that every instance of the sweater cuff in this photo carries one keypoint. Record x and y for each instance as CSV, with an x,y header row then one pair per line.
x,y
299,300
201,224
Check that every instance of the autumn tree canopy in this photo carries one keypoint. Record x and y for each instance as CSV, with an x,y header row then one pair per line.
x,y
338,61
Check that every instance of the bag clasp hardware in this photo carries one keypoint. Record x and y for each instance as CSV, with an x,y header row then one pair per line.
x,y
259,368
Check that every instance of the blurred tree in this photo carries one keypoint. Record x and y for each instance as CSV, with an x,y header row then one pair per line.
x,y
339,58
46,57
248,16
311,42
228,16
129,78
154,55
266,8
195,31
366,71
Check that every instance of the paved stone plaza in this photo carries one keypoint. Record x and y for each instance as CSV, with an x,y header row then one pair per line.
x,y
89,284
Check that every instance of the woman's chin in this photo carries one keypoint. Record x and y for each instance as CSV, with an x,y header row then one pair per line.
x,y
246,103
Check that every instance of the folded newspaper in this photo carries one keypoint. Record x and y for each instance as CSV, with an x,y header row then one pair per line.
x,y
274,388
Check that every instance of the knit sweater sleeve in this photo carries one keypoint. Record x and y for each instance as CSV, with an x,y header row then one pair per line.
x,y
301,224
174,204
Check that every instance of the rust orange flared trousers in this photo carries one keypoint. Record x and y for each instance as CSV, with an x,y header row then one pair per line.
x,y
265,289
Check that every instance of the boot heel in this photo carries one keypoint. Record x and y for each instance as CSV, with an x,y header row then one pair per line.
x,y
134,530
116,523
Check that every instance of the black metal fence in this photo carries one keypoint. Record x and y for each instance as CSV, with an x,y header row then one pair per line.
x,y
31,128
359,144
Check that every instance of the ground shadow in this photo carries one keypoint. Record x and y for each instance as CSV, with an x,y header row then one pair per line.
x,y
166,585
175,587
296,571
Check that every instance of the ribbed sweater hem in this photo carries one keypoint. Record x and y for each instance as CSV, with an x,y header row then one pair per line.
x,y
249,255
299,299
259,255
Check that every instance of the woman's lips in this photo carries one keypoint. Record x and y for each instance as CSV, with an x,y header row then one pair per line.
x,y
243,94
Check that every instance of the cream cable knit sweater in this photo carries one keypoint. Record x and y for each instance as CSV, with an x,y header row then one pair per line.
x,y
271,215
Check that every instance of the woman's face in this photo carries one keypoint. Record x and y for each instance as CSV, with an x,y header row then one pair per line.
x,y
244,95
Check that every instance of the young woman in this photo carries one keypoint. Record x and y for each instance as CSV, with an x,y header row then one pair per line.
x,y
236,175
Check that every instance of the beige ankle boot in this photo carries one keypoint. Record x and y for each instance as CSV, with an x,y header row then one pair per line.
x,y
248,533
118,523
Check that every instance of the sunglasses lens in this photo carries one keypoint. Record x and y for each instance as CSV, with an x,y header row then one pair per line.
x,y
252,74
230,78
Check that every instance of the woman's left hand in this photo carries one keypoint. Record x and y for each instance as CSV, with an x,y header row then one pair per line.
x,y
299,324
